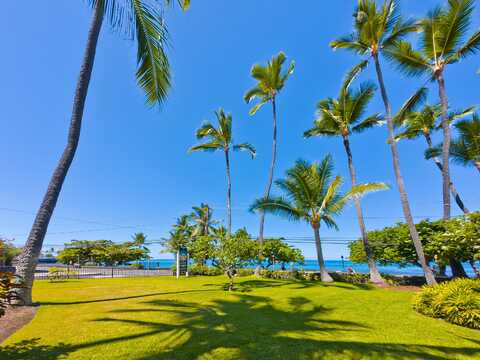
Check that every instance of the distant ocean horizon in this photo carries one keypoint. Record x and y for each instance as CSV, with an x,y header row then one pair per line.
x,y
331,265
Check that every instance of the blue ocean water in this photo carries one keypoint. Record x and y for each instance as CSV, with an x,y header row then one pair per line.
x,y
332,265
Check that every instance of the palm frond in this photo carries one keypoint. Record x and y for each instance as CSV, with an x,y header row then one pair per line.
x,y
246,147
153,72
410,105
471,47
277,206
453,23
350,43
207,129
253,93
371,121
352,75
406,59
257,107
361,190
210,147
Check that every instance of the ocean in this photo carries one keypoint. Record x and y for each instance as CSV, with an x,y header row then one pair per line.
x,y
332,265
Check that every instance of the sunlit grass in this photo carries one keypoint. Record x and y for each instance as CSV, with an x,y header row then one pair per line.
x,y
165,318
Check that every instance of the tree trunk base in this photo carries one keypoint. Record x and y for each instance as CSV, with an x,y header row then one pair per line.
x,y
325,277
258,269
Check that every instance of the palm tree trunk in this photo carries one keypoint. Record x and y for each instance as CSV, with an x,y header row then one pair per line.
x,y
229,193
375,276
446,146
477,165
27,261
430,279
324,275
453,190
269,184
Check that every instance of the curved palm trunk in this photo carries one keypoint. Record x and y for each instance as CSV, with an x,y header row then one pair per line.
x,y
430,279
477,165
453,190
375,276
446,146
229,193
27,260
324,275
269,184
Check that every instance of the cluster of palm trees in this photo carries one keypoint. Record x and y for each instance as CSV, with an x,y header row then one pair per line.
x,y
379,30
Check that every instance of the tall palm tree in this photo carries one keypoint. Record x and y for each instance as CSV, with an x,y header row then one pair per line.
x,y
271,79
442,44
341,117
465,150
142,20
423,122
312,194
220,138
377,28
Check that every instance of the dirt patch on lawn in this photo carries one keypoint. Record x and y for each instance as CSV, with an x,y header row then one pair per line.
x,y
14,319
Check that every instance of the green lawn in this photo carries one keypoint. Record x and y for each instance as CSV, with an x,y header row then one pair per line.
x,y
165,318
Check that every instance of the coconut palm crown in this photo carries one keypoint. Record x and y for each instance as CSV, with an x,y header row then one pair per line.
x,y
220,138
312,194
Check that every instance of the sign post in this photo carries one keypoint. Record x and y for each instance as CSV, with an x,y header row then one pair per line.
x,y
182,262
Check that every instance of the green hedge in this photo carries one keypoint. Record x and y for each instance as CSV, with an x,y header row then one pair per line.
x,y
457,301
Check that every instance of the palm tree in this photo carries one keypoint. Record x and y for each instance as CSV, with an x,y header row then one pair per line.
x,y
220,138
142,20
443,32
270,81
377,28
313,195
202,217
342,117
465,150
422,123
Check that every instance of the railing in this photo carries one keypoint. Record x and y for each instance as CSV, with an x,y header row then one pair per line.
x,y
61,272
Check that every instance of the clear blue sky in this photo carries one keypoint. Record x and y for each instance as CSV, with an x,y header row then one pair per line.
x,y
132,168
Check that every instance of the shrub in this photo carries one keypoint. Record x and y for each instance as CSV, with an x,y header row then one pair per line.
x,y
138,266
356,278
245,272
204,270
8,285
61,273
281,274
457,301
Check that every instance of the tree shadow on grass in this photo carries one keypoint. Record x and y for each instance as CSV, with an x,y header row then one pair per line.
x,y
249,285
240,326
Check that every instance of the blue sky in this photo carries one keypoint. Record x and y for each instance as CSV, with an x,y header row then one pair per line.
x,y
132,171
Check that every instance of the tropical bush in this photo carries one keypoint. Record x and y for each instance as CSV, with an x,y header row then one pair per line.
x,y
203,270
9,283
457,302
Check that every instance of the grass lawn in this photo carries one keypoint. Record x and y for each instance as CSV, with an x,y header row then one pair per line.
x,y
194,318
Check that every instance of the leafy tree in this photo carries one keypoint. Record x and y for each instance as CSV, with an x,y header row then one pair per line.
x,y
139,19
443,240
465,150
313,195
231,252
8,252
341,117
220,138
277,251
271,79
422,123
180,236
442,43
377,28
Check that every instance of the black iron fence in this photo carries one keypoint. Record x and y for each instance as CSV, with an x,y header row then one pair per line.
x,y
62,272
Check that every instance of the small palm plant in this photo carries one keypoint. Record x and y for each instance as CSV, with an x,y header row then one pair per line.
x,y
465,150
270,81
377,28
341,117
422,123
442,44
220,138
312,194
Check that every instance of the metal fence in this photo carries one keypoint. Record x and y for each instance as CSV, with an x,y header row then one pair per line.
x,y
62,272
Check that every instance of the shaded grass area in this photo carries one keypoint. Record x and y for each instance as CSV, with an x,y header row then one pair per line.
x,y
195,318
